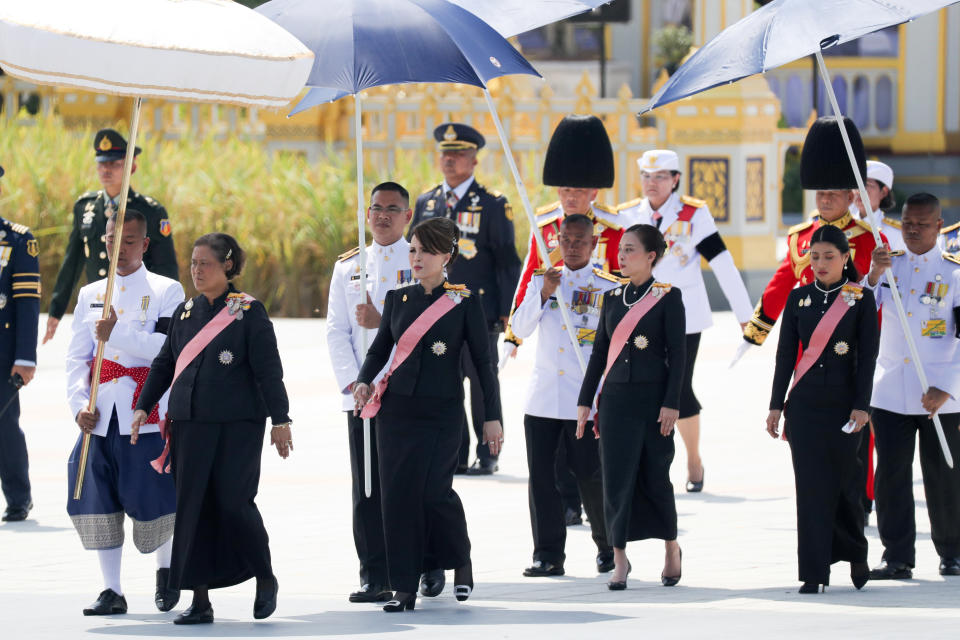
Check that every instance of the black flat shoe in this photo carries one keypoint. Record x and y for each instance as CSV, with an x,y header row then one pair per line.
x,y
266,601
482,467
463,582
811,587
164,597
859,574
696,487
950,566
194,615
371,593
541,569
17,514
671,581
108,603
620,585
461,470
401,601
432,583
891,571
605,563
572,518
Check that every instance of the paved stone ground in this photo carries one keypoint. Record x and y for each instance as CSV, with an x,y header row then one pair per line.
x,y
739,536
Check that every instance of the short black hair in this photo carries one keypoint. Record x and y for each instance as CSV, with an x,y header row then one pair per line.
x,y
651,239
577,219
392,186
438,236
923,200
132,215
225,247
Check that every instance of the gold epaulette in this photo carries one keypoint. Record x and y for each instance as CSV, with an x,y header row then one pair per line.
x,y
797,228
864,224
549,220
952,257
604,208
547,208
628,204
950,229
430,190
693,202
87,195
894,254
348,254
600,273
892,222
18,228
495,193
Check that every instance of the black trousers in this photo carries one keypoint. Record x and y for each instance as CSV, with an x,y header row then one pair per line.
x,y
826,470
14,464
543,436
896,435
567,481
219,539
418,457
367,516
477,413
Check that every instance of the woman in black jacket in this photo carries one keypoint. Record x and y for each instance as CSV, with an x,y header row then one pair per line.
x,y
832,383
419,419
217,411
638,405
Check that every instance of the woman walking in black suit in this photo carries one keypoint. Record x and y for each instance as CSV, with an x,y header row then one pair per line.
x,y
833,324
639,350
419,406
221,358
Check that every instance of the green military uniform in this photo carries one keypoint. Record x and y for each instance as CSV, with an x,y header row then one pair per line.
x,y
87,248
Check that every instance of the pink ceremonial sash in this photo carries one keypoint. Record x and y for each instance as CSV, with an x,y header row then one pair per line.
x,y
189,353
819,340
619,339
405,346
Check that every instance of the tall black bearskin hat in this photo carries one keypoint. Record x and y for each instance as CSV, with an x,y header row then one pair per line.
x,y
579,155
824,164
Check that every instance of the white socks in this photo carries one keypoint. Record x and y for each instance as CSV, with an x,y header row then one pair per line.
x,y
163,554
110,568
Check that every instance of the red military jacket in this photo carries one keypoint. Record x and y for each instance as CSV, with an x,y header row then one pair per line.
x,y
795,269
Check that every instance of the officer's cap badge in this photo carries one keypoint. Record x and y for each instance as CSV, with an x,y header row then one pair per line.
x,y
450,134
105,144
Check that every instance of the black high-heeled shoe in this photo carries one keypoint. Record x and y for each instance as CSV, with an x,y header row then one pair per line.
x,y
401,601
463,582
859,574
265,602
620,585
811,587
671,581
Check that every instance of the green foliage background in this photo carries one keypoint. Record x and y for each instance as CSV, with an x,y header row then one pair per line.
x,y
292,217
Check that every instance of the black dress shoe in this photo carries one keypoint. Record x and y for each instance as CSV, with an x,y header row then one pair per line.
x,y
432,583
193,615
18,513
891,571
950,566
541,569
605,563
810,587
482,467
164,597
401,602
671,581
695,487
265,603
371,593
461,470
859,574
571,517
108,603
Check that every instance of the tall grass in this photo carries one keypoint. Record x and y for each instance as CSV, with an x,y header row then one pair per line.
x,y
292,217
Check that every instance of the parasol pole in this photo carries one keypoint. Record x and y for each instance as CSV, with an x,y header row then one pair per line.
x,y
528,209
108,296
888,274
362,256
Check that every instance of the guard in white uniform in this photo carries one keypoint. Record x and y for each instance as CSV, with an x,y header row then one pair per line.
x,y
350,307
690,232
928,280
879,185
119,478
550,415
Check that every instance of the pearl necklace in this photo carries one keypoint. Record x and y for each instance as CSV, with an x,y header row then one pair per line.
x,y
623,295
825,292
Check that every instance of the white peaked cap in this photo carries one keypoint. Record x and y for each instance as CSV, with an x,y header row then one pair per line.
x,y
659,160
880,172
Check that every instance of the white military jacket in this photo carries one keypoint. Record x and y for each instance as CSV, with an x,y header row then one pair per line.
x,y
680,265
387,268
139,299
929,285
555,385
